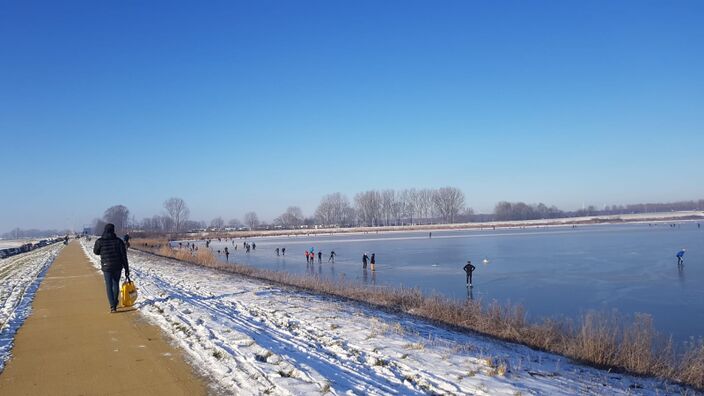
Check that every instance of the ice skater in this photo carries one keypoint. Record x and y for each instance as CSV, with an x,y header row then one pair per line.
x,y
332,257
365,258
277,251
680,257
283,251
468,269
320,257
372,261
227,255
307,257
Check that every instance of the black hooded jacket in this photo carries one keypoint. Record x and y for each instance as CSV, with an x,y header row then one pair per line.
x,y
112,251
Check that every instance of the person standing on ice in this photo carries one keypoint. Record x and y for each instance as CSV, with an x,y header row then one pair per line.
x,y
468,269
372,261
680,256
113,258
320,256
283,251
332,257
307,257
227,255
364,260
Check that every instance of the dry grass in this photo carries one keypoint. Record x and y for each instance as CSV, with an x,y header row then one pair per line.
x,y
604,340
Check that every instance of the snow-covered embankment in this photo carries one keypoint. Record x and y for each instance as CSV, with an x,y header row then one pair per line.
x,y
254,338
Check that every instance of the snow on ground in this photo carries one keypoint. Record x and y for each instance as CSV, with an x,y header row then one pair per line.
x,y
20,277
251,337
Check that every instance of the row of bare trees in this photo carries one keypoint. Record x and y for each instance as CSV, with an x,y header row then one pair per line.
x,y
521,211
175,218
368,208
409,206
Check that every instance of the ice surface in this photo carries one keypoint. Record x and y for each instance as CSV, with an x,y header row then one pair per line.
x,y
556,271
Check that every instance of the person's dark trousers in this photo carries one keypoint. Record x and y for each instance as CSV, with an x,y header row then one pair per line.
x,y
112,285
469,278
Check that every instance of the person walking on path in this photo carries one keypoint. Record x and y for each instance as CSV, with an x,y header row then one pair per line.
x,y
372,261
332,257
320,257
468,269
680,256
113,258
127,240
364,260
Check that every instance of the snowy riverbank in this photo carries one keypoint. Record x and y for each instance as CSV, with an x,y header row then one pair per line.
x,y
250,337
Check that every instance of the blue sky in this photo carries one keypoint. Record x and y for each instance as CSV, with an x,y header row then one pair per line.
x,y
238,106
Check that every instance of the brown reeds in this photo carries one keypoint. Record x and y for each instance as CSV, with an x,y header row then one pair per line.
x,y
604,340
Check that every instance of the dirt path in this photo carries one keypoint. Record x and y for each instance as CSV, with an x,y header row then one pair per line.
x,y
72,345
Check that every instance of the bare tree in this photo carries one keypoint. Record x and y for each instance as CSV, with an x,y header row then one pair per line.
x,y
388,201
119,216
234,223
178,211
166,223
251,219
368,207
424,203
449,202
409,200
218,223
292,218
334,209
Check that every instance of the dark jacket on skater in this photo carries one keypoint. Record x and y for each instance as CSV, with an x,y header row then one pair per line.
x,y
468,269
112,251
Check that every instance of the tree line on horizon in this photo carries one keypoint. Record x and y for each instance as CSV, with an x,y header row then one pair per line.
x,y
371,208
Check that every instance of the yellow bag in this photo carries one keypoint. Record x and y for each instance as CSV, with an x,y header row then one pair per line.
x,y
128,293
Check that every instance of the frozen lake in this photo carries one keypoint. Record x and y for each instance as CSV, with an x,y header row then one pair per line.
x,y
550,271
